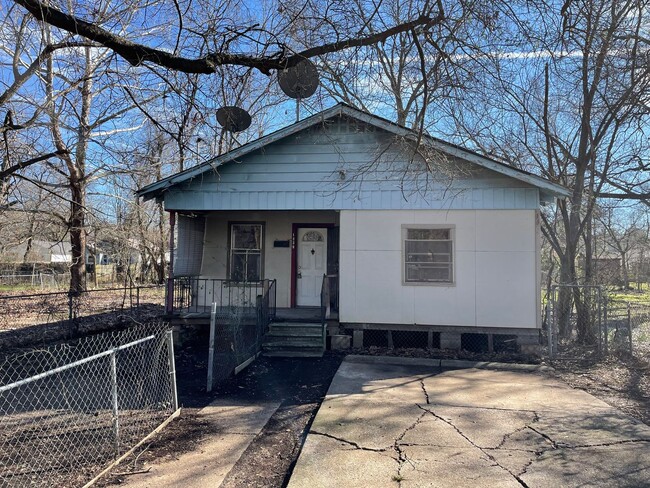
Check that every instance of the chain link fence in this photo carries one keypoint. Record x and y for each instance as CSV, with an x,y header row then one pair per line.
x,y
574,319
583,319
236,335
68,410
42,280
627,328
77,310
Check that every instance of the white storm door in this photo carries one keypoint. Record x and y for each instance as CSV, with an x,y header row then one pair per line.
x,y
312,265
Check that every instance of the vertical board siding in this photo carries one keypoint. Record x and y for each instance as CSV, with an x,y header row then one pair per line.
x,y
496,256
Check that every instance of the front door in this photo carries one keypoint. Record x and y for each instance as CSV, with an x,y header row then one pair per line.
x,y
312,265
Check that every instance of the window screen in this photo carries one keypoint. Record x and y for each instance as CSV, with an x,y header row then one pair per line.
x,y
428,256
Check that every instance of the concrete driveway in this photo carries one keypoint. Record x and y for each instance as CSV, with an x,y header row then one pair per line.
x,y
388,425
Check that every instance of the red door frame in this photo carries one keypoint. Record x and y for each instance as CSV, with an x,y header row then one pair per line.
x,y
294,254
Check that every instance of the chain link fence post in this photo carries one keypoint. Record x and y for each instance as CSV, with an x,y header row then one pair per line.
x,y
555,328
549,326
172,369
600,321
606,327
115,402
211,365
629,326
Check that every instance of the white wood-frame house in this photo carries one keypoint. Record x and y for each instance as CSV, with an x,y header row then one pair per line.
x,y
440,240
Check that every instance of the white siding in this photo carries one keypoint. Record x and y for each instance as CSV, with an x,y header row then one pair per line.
x,y
495,262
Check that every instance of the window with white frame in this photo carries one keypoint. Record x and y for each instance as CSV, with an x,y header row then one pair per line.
x,y
428,255
246,246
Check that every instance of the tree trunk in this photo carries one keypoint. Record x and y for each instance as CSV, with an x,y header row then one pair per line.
x,y
625,274
30,240
77,236
564,305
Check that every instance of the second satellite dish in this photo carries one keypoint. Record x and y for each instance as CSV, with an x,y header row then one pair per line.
x,y
299,81
233,119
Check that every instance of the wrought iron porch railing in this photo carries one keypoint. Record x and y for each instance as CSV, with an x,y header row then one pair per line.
x,y
194,295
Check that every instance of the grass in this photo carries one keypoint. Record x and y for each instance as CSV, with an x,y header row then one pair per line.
x,y
638,294
632,296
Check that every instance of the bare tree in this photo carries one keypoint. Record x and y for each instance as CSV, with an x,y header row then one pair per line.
x,y
568,101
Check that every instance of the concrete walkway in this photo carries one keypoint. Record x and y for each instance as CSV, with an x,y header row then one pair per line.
x,y
235,426
385,425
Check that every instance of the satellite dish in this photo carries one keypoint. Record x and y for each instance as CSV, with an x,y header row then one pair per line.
x,y
233,119
299,81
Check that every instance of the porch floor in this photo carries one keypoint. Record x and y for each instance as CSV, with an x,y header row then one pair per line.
x,y
302,314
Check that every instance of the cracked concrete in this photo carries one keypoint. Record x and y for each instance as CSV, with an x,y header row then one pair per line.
x,y
387,425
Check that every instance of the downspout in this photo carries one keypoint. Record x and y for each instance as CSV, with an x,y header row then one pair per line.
x,y
169,305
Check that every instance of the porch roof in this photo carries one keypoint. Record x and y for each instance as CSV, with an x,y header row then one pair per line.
x,y
548,190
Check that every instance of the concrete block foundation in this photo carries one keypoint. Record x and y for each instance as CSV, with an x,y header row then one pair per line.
x,y
478,339
450,340
357,339
340,342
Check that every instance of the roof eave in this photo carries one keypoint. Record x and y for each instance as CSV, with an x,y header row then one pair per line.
x,y
156,190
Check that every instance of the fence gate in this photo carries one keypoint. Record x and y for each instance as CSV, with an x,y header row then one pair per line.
x,y
576,319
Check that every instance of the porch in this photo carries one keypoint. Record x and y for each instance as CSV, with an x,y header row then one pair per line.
x,y
191,297
293,248
244,315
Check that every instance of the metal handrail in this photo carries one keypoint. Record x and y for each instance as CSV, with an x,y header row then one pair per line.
x,y
324,299
328,296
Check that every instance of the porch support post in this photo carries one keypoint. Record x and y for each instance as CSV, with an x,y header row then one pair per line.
x,y
169,304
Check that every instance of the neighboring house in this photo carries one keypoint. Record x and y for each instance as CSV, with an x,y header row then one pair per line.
x,y
115,251
47,252
444,242
40,252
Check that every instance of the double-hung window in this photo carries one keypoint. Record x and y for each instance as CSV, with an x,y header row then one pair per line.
x,y
246,247
428,254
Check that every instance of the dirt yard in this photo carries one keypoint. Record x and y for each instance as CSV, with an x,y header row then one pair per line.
x,y
43,319
621,381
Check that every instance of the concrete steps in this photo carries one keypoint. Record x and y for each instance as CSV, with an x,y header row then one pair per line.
x,y
294,339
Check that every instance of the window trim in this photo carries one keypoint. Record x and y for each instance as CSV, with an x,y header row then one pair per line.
x,y
229,248
452,236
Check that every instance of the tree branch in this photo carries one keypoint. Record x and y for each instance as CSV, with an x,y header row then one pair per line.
x,y
20,79
138,54
624,196
24,164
